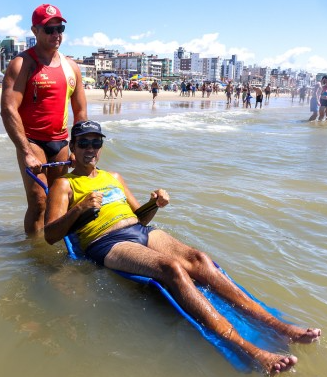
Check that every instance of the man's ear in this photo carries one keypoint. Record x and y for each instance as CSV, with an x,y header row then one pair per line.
x,y
34,30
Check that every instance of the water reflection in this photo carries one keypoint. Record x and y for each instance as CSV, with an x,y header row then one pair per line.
x,y
112,107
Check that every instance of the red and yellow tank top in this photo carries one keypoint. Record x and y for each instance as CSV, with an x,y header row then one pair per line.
x,y
114,204
44,109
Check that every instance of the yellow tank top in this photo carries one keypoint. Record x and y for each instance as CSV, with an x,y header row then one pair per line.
x,y
114,204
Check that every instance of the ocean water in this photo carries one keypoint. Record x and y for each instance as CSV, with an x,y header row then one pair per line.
x,y
247,186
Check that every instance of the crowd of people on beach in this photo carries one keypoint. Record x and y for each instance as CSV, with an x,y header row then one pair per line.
x,y
236,93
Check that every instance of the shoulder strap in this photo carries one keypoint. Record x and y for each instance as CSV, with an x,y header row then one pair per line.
x,y
31,52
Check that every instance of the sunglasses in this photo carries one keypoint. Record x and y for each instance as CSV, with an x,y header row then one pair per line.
x,y
86,143
51,29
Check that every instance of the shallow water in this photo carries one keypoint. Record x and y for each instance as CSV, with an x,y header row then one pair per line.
x,y
247,186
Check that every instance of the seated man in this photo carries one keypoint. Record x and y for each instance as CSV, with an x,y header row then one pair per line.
x,y
118,240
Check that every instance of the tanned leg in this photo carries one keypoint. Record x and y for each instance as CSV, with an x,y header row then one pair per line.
x,y
134,258
202,269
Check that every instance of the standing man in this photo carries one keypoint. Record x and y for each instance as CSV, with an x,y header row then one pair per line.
x,y
323,99
267,92
154,90
258,96
314,101
229,91
302,93
34,107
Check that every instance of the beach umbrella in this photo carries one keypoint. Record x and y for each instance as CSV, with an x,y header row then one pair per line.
x,y
146,78
88,80
136,77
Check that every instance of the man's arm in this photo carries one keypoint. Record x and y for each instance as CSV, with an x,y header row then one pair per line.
x,y
13,89
78,98
318,92
161,200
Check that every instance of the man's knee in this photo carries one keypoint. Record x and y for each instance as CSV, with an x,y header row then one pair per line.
x,y
198,258
173,271
36,201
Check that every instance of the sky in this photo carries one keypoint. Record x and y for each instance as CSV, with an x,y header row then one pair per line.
x,y
279,33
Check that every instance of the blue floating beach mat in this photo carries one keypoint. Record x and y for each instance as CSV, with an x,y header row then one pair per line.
x,y
250,329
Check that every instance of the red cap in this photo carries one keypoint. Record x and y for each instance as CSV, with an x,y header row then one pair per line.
x,y
44,13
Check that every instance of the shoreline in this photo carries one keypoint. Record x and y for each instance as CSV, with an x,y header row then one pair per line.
x,y
96,95
139,104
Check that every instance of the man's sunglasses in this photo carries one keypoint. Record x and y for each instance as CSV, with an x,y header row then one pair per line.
x,y
51,29
86,143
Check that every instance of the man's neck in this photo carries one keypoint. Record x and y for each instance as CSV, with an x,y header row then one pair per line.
x,y
47,57
88,171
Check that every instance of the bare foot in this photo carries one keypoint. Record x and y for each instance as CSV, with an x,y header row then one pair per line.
x,y
305,336
275,364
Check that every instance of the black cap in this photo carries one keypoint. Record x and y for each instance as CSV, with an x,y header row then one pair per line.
x,y
86,127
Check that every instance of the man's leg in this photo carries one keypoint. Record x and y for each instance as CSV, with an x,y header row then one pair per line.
x,y
313,116
58,171
201,268
134,258
35,195
321,112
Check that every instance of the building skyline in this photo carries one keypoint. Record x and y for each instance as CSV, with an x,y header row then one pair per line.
x,y
185,64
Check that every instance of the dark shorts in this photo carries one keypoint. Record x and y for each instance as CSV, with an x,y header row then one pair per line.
x,y
323,102
259,98
51,148
137,233
155,90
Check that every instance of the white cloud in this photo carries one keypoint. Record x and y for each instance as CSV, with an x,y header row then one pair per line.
x,y
317,64
287,60
102,40
206,46
243,54
141,36
97,40
8,26
155,47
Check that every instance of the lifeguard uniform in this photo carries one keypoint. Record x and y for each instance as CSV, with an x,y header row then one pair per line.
x,y
44,109
94,238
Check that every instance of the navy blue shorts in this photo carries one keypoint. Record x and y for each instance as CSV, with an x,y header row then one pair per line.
x,y
137,233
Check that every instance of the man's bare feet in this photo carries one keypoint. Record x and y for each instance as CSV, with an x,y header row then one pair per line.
x,y
275,364
298,335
